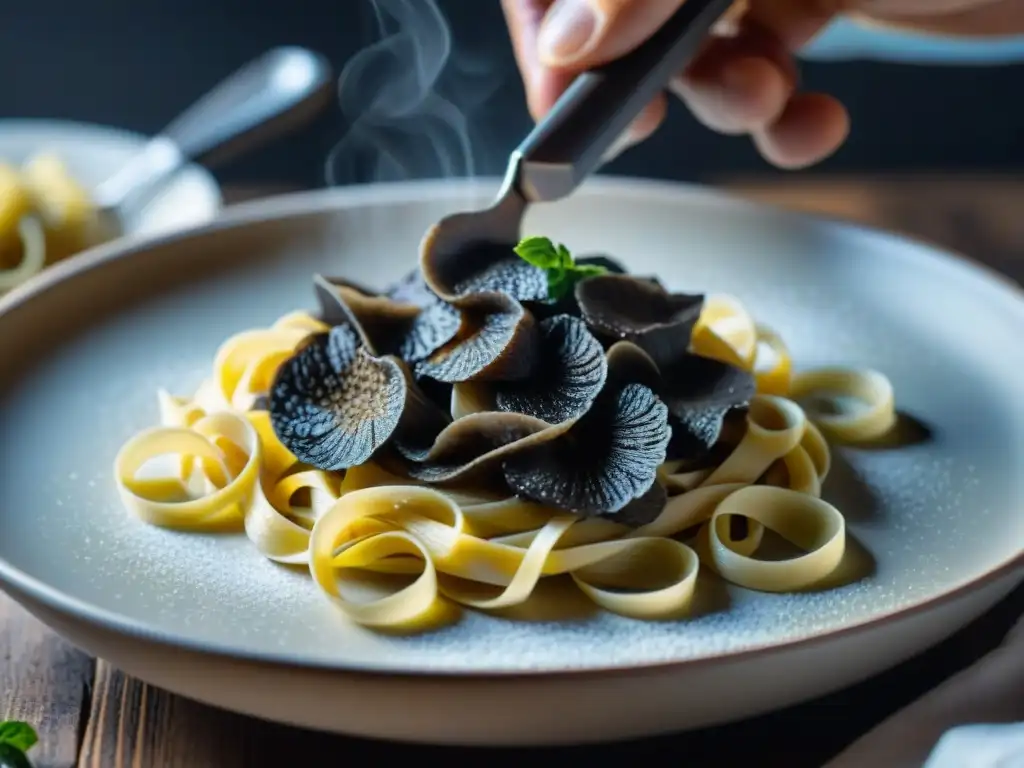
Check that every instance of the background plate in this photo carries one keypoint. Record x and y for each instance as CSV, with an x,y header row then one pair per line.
x,y
96,338
93,153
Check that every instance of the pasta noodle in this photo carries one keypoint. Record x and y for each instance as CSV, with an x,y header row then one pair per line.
x,y
366,526
45,216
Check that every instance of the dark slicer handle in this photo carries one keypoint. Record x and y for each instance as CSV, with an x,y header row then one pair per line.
x,y
570,142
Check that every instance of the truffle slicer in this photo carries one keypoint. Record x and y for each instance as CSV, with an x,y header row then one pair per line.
x,y
573,139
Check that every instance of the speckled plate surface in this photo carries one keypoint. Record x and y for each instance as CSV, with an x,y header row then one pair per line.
x,y
938,524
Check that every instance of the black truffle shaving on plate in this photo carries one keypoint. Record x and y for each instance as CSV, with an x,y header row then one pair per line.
x,y
471,448
334,405
408,289
603,463
608,458
483,267
699,393
409,331
570,371
411,289
496,341
571,380
639,310
437,392
567,304
486,447
628,364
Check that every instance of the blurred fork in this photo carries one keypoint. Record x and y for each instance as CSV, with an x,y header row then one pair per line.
x,y
268,96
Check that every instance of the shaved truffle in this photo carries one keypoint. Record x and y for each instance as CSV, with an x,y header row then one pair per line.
x,y
639,310
333,404
606,461
569,373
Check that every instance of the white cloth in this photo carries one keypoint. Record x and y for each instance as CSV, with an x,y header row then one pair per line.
x,y
973,720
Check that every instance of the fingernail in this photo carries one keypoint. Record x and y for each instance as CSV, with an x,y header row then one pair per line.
x,y
569,31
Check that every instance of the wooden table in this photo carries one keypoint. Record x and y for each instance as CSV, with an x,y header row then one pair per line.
x,y
90,715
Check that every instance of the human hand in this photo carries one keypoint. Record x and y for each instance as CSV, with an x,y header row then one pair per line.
x,y
745,81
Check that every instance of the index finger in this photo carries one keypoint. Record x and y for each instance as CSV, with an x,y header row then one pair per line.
x,y
543,85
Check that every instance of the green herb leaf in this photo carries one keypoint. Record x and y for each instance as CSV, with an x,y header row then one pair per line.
x,y
559,283
564,257
540,252
19,735
557,261
588,270
12,757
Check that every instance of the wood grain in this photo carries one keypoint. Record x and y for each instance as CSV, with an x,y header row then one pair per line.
x,y
977,217
43,681
92,716
133,725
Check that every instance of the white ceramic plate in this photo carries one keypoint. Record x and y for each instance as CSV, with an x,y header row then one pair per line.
x,y
209,618
93,153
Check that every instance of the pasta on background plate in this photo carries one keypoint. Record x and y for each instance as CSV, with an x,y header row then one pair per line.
x,y
503,417
45,216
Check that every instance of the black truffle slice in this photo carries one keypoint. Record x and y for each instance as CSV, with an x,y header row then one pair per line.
x,y
567,305
605,462
411,289
638,310
408,289
628,364
333,404
387,326
645,509
471,446
483,267
334,311
439,393
434,327
569,373
699,393
470,397
496,341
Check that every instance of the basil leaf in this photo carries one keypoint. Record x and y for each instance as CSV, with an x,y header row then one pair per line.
x,y
582,271
540,252
564,257
562,271
19,735
559,284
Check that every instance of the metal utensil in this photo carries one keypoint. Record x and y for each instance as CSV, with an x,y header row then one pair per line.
x,y
570,142
266,97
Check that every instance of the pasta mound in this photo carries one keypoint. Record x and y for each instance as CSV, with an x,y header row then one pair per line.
x,y
487,553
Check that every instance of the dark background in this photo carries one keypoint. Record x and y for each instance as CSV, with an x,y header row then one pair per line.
x,y
136,64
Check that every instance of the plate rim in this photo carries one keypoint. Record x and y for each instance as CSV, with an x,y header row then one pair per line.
x,y
319,201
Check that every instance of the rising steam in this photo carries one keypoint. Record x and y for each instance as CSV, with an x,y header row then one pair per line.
x,y
399,125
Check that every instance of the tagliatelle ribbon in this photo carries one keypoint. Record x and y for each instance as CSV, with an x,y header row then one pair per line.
x,y
354,529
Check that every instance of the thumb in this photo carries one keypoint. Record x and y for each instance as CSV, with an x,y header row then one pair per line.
x,y
579,34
